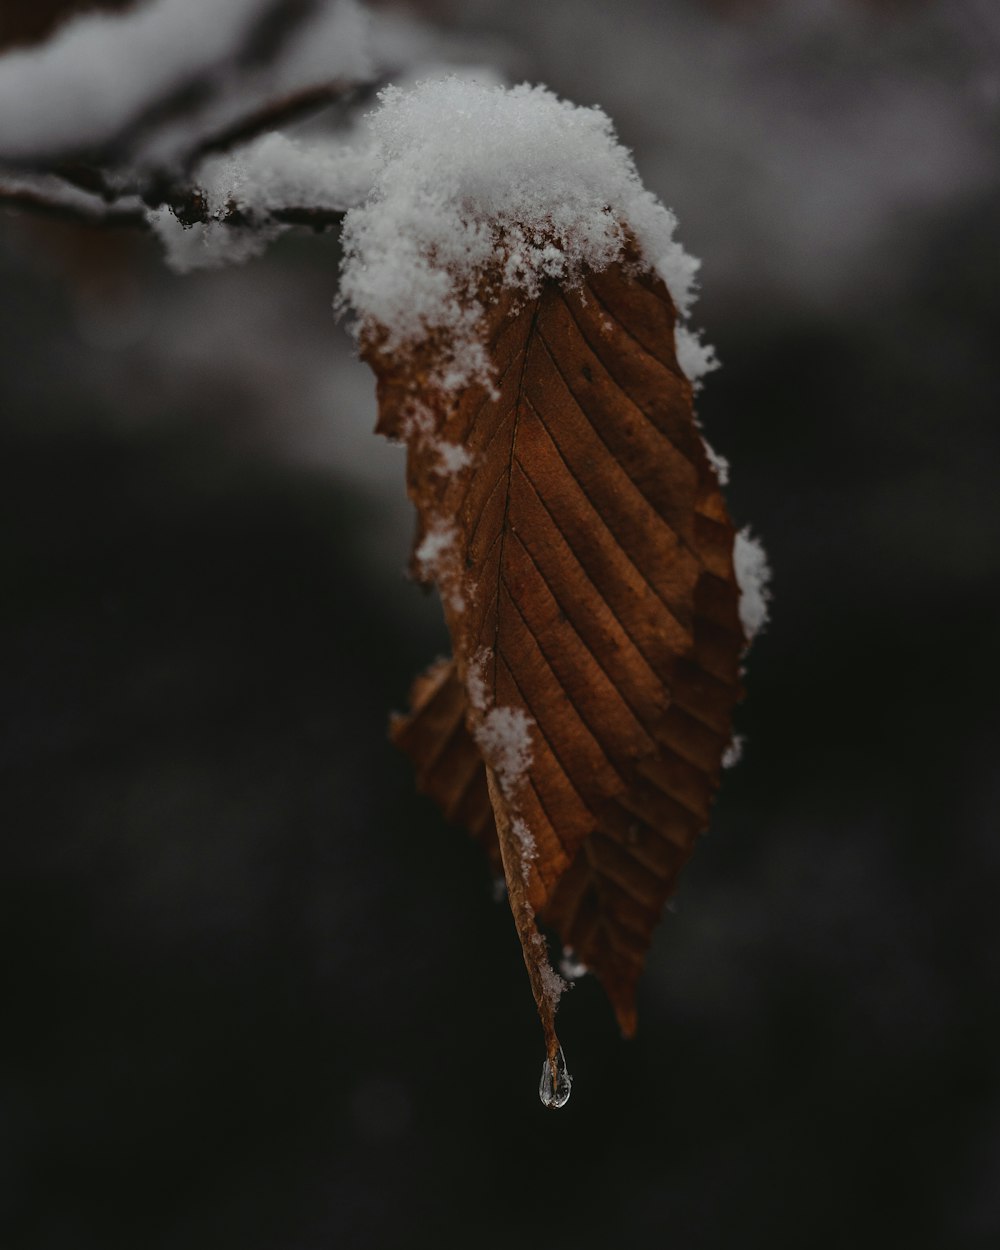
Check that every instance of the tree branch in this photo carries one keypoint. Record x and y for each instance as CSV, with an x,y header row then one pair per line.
x,y
47,198
190,105
190,209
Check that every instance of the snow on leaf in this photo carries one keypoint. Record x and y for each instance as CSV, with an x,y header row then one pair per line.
x,y
466,172
753,576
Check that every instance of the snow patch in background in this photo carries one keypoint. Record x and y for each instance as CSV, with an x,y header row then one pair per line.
x,y
99,72
100,69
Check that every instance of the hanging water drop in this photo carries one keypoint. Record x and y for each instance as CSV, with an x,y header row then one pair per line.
x,y
554,1087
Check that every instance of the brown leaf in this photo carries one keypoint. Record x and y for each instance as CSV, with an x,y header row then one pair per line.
x,y
448,763
584,557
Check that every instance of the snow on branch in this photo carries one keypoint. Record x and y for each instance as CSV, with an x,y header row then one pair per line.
x,y
275,174
152,82
169,115
52,196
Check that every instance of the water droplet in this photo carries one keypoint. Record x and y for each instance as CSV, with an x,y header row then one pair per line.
x,y
554,1091
571,967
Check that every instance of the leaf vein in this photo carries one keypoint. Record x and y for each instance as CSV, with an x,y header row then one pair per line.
x,y
581,717
510,462
611,455
619,693
546,739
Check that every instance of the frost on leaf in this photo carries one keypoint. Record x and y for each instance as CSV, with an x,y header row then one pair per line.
x,y
504,739
590,591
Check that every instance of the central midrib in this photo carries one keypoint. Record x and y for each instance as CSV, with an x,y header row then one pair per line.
x,y
510,469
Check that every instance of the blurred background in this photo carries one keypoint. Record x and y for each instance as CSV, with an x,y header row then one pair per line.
x,y
257,994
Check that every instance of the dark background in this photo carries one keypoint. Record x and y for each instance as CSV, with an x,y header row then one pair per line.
x,y
257,995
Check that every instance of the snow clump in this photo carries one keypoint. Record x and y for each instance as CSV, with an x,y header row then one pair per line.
x,y
504,737
752,576
467,173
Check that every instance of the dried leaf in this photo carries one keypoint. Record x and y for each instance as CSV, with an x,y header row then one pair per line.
x,y
574,525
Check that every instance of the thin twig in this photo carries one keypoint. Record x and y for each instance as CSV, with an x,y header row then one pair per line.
x,y
96,214
189,208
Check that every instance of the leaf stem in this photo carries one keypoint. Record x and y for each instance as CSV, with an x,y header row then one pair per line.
x,y
533,946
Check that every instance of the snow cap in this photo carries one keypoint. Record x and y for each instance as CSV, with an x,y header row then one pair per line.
x,y
467,172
